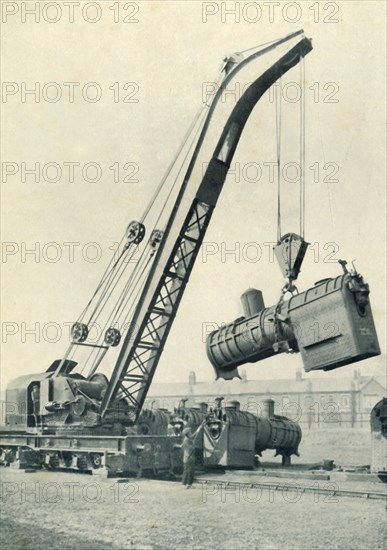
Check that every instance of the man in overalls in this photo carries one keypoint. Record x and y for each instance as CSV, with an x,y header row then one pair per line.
x,y
189,456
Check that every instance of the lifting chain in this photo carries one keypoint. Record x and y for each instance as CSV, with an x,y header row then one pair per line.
x,y
282,345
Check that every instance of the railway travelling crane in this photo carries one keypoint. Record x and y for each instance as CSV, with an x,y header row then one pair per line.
x,y
74,398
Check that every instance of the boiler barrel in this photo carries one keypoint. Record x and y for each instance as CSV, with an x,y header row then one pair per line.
x,y
278,433
247,341
153,422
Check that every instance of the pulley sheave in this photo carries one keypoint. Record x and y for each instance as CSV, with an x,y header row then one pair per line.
x,y
290,251
135,232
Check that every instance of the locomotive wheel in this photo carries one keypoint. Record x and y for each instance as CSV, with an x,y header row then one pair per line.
x,y
82,462
9,456
54,461
95,460
67,459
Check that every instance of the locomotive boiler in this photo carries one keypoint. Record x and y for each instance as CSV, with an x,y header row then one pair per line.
x,y
330,324
233,438
188,417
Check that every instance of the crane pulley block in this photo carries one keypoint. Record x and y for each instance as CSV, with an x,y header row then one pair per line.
x,y
290,252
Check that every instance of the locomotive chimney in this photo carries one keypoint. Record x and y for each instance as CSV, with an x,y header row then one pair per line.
x,y
192,378
203,407
268,408
252,302
233,405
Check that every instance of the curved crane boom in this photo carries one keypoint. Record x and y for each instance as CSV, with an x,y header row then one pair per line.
x,y
166,282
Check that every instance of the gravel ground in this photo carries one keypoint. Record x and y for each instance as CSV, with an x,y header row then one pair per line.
x,y
70,511
343,445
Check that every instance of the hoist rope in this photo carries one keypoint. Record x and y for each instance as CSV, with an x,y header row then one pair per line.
x,y
105,298
111,272
179,171
278,126
114,276
169,194
186,137
302,147
106,273
109,322
128,315
260,46
161,211
278,113
92,351
72,347
132,282
136,278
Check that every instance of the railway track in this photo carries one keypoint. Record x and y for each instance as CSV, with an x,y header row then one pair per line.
x,y
330,489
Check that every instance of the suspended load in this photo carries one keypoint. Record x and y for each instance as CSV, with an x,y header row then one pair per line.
x,y
330,324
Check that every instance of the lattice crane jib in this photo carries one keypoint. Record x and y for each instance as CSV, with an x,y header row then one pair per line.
x,y
179,247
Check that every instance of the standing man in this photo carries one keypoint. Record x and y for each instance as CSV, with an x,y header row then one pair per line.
x,y
35,397
188,446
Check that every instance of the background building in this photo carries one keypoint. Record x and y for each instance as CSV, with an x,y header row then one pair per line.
x,y
344,402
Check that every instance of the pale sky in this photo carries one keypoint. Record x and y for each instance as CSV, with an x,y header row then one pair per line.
x,y
168,57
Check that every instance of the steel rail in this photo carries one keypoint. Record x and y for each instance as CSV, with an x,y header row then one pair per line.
x,y
293,486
